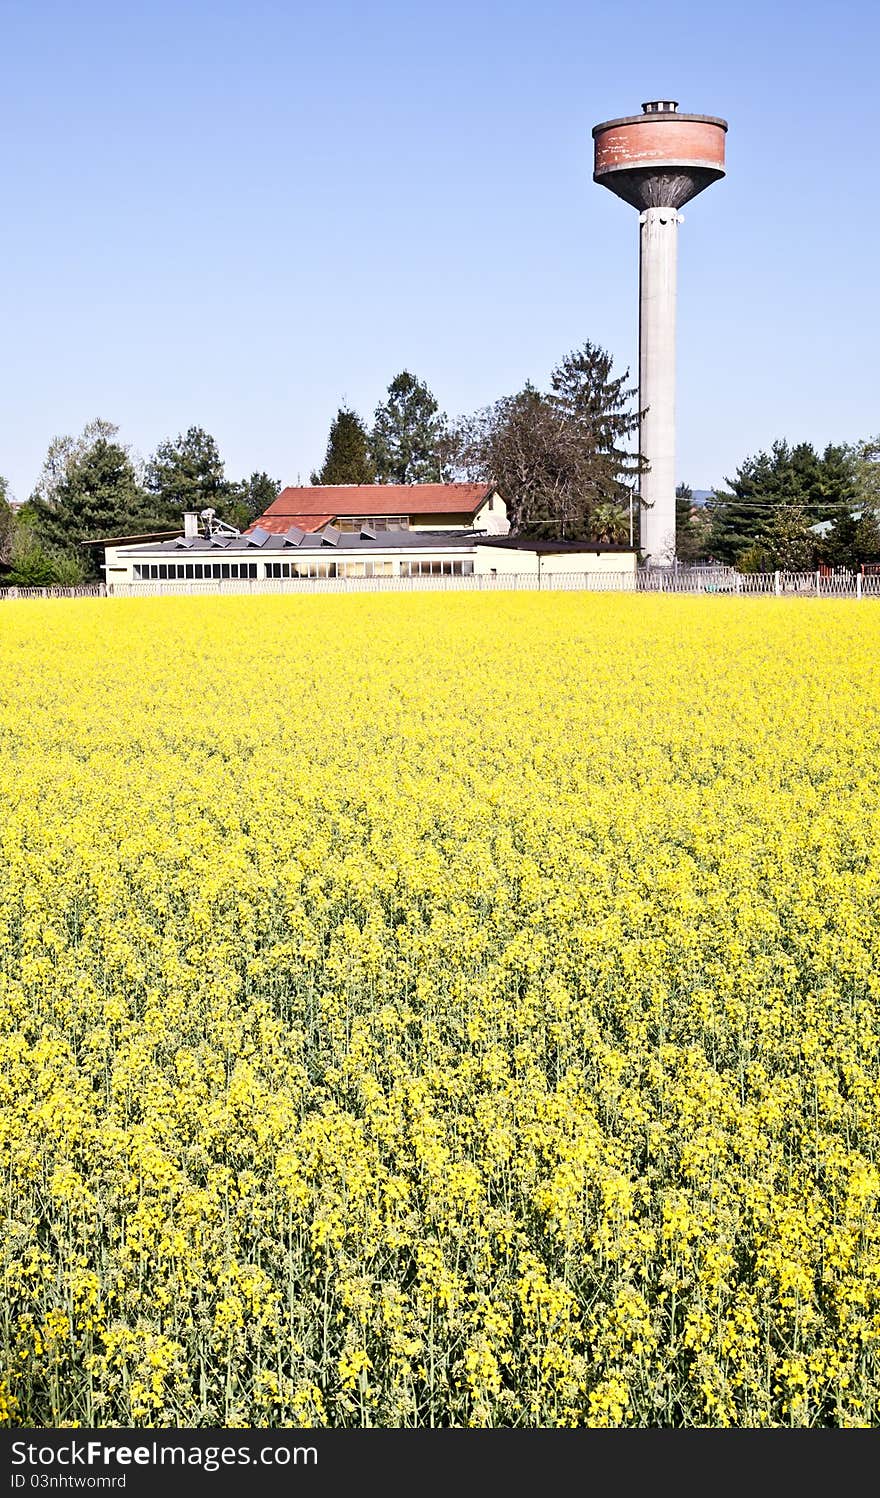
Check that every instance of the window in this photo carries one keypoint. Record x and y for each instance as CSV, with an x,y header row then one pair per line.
x,y
375,522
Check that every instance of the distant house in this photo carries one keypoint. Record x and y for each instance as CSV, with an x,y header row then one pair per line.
x,y
387,507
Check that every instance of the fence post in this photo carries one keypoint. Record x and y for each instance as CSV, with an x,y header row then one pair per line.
x,y
818,580
777,584
858,585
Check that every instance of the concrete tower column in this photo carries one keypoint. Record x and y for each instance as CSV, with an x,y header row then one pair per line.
x,y
658,252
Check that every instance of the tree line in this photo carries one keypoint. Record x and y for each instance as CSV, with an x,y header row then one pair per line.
x,y
92,487
560,459
790,507
565,459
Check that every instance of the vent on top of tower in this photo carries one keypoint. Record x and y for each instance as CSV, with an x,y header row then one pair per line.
x,y
660,106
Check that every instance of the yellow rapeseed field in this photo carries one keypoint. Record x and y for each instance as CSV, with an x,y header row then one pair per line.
x,y
440,1010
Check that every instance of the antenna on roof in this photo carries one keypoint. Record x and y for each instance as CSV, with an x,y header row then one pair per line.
x,y
213,526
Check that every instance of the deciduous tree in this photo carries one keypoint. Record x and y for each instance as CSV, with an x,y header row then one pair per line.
x,y
692,527
560,459
518,444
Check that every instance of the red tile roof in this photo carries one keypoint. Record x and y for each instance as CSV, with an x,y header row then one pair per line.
x,y
324,502
278,523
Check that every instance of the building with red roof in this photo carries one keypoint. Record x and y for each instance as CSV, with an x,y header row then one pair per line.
x,y
387,507
375,534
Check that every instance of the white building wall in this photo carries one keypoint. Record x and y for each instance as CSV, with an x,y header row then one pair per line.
x,y
503,559
589,561
120,561
491,517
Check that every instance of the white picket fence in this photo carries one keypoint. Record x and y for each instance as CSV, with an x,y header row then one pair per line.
x,y
721,581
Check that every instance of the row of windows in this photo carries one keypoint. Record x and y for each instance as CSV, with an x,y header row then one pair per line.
x,y
373,568
375,522
329,569
226,571
436,569
192,571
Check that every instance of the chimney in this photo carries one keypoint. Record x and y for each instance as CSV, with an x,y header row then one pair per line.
x,y
190,525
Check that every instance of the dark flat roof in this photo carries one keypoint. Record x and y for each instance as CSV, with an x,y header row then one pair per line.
x,y
316,541
532,543
336,540
131,540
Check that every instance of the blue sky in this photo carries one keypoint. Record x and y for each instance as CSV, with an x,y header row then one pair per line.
x,y
239,215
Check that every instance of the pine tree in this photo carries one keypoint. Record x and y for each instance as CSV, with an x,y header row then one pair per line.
x,y
97,494
188,474
407,435
347,460
251,498
796,480
599,415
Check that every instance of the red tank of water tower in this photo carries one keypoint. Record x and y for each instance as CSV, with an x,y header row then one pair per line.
x,y
659,158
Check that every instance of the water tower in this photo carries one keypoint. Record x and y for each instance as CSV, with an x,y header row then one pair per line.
x,y
657,161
